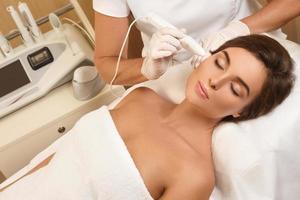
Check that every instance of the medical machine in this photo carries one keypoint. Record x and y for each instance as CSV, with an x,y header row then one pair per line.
x,y
31,71
1,55
25,34
5,47
25,12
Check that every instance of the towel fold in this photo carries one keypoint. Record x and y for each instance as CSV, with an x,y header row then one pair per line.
x,y
91,162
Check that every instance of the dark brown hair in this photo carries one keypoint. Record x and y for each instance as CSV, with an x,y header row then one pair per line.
x,y
280,78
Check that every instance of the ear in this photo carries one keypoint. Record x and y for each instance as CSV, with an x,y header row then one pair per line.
x,y
236,115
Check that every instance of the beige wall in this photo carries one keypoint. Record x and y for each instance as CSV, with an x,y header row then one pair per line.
x,y
292,29
39,8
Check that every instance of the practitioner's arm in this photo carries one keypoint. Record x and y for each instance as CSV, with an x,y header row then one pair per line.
x,y
110,34
275,14
39,166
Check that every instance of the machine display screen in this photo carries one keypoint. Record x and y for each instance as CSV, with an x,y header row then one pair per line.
x,y
12,77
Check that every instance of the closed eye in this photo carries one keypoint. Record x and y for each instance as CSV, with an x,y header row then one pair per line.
x,y
233,90
218,64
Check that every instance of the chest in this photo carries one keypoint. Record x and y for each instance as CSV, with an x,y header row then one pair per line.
x,y
151,146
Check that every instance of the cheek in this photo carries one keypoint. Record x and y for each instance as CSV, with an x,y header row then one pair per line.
x,y
221,103
226,103
205,69
225,106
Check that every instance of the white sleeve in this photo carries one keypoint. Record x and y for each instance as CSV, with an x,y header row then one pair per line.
x,y
114,8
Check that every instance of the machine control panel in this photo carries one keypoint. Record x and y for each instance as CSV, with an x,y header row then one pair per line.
x,y
40,58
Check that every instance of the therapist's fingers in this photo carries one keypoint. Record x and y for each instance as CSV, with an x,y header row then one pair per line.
x,y
167,47
183,30
171,40
197,60
160,54
173,32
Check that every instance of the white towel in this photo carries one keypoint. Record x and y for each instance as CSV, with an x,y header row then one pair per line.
x,y
92,163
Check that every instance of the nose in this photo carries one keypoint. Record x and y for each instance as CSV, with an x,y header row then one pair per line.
x,y
217,82
212,84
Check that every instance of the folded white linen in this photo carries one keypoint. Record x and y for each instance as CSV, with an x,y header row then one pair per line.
x,y
90,162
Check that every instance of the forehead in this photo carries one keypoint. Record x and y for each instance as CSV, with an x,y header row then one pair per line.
x,y
245,65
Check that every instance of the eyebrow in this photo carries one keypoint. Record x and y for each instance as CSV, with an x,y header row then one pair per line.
x,y
241,81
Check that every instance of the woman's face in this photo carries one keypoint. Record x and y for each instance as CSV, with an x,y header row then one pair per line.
x,y
225,83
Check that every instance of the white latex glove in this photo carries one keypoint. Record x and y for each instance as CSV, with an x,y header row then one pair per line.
x,y
162,46
232,30
196,60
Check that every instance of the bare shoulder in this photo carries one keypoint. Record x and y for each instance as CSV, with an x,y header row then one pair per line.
x,y
142,91
194,182
141,95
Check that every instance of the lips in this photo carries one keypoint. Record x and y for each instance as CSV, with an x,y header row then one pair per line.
x,y
201,90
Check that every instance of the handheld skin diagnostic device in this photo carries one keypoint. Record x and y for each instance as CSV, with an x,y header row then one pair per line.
x,y
27,39
5,46
25,12
154,22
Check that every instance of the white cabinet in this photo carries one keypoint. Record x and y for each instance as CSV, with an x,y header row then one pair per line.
x,y
28,131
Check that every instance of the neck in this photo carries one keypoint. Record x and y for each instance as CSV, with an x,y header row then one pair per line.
x,y
190,123
186,114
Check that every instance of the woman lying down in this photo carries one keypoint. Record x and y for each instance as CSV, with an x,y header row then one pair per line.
x,y
149,148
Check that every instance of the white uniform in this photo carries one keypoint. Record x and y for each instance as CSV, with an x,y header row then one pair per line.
x,y
198,17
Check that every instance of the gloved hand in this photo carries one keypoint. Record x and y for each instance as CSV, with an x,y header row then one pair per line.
x,y
234,29
162,46
196,60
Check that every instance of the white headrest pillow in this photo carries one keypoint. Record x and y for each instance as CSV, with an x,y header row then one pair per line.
x,y
258,159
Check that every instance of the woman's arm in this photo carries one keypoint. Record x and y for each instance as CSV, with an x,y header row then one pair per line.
x,y
110,34
275,14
